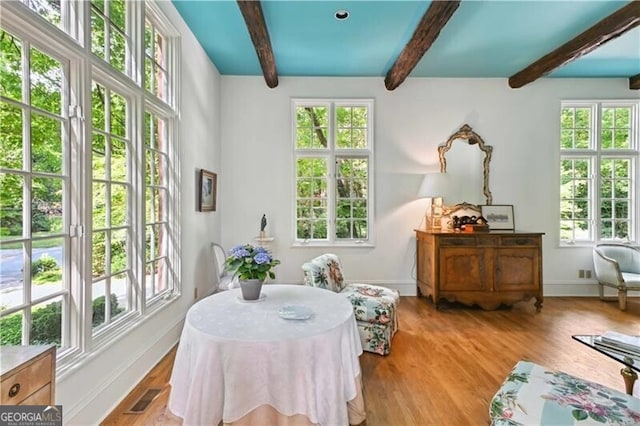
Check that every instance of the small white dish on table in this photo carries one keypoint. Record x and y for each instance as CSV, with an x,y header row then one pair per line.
x,y
295,312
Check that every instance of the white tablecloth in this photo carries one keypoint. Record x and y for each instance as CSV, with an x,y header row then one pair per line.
x,y
235,356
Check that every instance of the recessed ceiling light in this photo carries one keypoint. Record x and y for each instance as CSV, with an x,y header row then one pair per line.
x,y
342,15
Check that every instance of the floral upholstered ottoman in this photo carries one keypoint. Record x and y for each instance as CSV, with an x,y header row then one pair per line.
x,y
533,395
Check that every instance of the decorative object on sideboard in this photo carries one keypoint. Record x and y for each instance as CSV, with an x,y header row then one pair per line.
x,y
207,191
499,216
463,163
435,187
470,224
459,210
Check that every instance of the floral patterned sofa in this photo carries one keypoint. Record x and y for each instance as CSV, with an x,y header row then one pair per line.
x,y
533,395
375,307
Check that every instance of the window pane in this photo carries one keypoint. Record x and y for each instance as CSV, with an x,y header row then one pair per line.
x,y
149,80
46,323
99,4
98,95
105,311
118,160
11,328
46,267
574,199
312,125
46,144
118,50
351,123
616,127
98,156
622,229
10,136
151,243
99,254
118,205
575,124
48,9
117,9
351,187
118,115
99,193
46,82
319,230
97,34
118,246
12,264
156,278
10,66
46,206
11,205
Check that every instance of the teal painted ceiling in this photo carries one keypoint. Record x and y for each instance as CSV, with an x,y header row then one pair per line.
x,y
483,38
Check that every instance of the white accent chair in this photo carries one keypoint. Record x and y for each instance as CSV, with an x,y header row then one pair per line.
x,y
225,280
617,266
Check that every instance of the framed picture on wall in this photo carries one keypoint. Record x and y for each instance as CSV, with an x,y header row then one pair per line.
x,y
207,190
498,216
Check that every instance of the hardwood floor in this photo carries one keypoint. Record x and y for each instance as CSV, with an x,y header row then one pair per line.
x,y
445,365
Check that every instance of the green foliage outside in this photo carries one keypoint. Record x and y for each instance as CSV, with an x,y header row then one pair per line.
x,y
46,322
576,174
45,270
352,173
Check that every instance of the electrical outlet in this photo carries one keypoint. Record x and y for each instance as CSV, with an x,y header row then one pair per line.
x,y
580,273
587,273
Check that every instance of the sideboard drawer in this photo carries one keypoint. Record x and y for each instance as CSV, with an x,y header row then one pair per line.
x,y
469,241
39,397
27,375
519,241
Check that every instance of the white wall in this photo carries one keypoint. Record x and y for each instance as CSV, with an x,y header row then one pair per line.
x,y
522,126
91,391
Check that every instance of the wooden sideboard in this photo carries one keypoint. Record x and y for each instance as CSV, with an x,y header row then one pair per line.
x,y
487,269
28,375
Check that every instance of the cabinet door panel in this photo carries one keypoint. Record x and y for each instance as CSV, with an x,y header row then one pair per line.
x,y
462,269
517,269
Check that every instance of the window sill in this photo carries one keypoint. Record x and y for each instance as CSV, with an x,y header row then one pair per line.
x,y
346,244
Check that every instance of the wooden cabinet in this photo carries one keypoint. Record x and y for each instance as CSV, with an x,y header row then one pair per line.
x,y
483,268
28,375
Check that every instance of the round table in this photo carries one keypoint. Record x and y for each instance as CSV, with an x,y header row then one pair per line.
x,y
235,356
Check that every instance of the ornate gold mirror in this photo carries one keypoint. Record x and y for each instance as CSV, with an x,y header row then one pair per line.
x,y
467,165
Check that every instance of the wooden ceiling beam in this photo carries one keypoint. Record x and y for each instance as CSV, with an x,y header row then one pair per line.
x,y
611,27
634,82
252,12
425,34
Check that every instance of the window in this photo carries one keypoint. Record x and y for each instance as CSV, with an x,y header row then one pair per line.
x,y
157,208
34,192
109,39
333,144
599,171
87,223
111,233
155,60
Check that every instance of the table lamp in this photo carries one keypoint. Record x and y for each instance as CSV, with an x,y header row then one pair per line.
x,y
434,186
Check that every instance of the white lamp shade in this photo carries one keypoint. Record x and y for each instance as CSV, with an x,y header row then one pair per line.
x,y
434,185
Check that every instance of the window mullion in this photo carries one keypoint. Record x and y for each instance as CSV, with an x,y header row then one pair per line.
x,y
332,183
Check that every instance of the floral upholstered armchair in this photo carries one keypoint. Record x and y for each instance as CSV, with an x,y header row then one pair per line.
x,y
534,395
375,307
